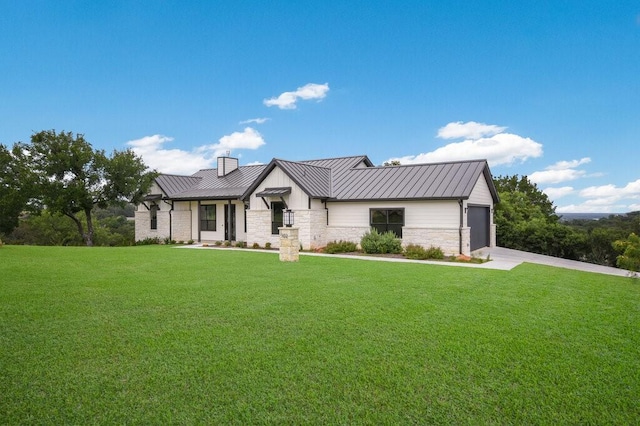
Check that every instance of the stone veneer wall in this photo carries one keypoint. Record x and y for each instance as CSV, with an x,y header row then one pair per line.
x,y
259,228
346,233
312,225
448,239
181,223
143,225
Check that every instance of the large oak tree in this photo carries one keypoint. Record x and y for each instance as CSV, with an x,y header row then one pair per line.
x,y
71,177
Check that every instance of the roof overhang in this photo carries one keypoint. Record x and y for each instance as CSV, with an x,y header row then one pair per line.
x,y
153,197
274,192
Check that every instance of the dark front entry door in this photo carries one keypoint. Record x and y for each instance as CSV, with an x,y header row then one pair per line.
x,y
479,220
230,222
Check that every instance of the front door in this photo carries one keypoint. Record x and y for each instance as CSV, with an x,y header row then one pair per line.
x,y
230,222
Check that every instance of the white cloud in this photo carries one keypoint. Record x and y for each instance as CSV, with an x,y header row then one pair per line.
x,y
606,199
177,161
556,176
170,161
562,165
471,130
562,171
592,207
630,190
249,138
555,193
496,147
287,100
255,120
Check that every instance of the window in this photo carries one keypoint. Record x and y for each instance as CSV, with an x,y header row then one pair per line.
x,y
208,217
153,212
387,220
277,207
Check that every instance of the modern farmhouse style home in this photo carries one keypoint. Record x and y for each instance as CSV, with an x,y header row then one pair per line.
x,y
447,205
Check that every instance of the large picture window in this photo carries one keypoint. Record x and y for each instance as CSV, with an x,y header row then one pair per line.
x,y
384,220
277,217
153,212
208,217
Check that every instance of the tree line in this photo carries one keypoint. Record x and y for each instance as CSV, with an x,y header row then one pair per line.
x,y
60,175
526,220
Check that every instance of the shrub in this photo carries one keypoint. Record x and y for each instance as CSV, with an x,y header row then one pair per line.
x,y
217,243
181,242
190,242
227,243
414,251
267,245
168,241
256,246
148,241
241,244
340,247
435,253
375,242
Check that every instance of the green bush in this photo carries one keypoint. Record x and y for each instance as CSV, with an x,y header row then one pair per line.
x,y
374,242
340,247
190,242
217,243
414,251
267,245
148,241
241,244
255,246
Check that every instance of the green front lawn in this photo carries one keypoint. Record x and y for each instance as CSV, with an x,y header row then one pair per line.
x,y
159,335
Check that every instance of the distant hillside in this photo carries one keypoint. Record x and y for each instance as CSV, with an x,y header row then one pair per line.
x,y
578,216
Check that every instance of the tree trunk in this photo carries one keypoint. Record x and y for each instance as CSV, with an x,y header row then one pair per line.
x,y
79,225
89,235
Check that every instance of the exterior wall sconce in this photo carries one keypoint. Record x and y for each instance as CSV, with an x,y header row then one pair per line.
x,y
288,218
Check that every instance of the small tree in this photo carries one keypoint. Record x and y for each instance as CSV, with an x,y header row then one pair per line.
x,y
630,249
72,177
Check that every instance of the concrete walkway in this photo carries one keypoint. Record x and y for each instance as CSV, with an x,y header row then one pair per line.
x,y
507,259
501,258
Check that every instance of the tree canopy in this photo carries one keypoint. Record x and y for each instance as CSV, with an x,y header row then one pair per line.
x,y
70,177
526,220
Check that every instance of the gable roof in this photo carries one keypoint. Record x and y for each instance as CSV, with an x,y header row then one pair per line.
x,y
338,179
314,177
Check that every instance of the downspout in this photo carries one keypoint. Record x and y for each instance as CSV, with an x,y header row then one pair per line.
x,y
230,222
171,222
170,216
460,203
199,231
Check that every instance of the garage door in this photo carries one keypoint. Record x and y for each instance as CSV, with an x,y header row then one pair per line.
x,y
478,221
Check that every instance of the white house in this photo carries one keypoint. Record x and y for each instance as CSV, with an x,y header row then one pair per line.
x,y
448,205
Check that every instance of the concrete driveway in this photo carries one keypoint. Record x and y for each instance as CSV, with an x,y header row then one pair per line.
x,y
507,259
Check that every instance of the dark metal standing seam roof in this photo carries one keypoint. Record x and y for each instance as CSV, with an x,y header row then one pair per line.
x,y
338,179
206,184
420,181
174,184
314,180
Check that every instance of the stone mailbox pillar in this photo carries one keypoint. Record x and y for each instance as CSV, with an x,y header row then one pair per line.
x,y
289,244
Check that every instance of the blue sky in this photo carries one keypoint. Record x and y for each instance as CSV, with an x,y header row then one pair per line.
x,y
547,89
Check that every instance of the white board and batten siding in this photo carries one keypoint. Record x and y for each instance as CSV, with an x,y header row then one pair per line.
x,y
298,199
417,214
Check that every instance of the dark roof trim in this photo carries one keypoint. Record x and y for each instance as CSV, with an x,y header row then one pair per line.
x,y
153,197
274,192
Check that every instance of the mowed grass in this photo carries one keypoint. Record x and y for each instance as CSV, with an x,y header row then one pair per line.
x,y
160,335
